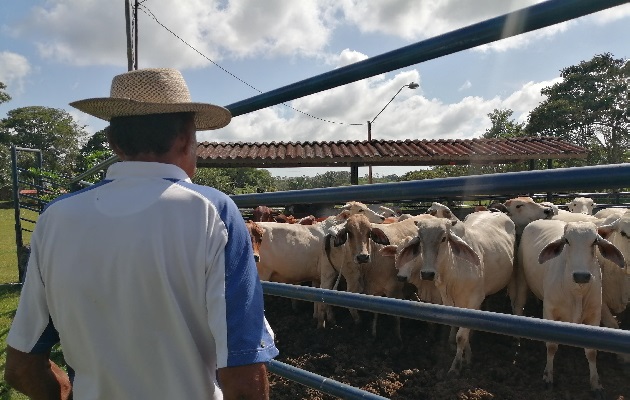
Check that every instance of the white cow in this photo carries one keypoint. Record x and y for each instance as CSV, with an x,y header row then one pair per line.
x,y
441,211
568,216
355,207
615,281
607,212
355,255
550,204
292,253
524,210
561,269
464,269
581,205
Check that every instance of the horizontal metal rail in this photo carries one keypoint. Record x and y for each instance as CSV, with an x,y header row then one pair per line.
x,y
594,337
97,168
548,180
319,382
525,20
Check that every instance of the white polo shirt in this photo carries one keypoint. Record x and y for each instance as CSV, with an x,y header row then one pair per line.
x,y
151,284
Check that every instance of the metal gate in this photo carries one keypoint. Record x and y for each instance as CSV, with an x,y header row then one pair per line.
x,y
33,187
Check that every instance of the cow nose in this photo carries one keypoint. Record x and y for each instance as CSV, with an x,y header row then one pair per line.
x,y
256,257
401,278
581,277
427,275
363,258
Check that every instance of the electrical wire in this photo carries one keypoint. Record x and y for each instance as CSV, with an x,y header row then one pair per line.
x,y
147,11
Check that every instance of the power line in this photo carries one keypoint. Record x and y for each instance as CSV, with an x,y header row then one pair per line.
x,y
147,11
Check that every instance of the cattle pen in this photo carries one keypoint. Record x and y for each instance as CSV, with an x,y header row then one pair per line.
x,y
583,178
603,177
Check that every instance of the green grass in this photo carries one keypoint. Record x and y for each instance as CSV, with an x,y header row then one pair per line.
x,y
8,254
9,293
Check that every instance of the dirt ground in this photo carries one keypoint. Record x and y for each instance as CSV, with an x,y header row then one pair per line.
x,y
417,369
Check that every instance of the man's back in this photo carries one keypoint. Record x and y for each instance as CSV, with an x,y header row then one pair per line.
x,y
144,291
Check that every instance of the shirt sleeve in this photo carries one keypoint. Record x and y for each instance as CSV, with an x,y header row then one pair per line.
x,y
248,338
32,330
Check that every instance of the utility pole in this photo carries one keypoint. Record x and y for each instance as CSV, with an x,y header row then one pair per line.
x,y
132,45
135,36
128,34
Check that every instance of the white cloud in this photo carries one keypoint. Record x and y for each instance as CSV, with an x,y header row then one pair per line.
x,y
82,32
523,40
92,32
14,68
610,15
415,20
527,98
465,86
342,114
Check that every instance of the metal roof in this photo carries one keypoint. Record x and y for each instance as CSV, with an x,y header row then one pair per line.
x,y
384,152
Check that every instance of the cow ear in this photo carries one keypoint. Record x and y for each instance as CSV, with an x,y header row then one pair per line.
x,y
411,248
552,250
610,252
606,230
343,215
389,251
378,236
461,249
340,237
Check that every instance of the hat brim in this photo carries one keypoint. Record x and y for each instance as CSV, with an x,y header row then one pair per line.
x,y
207,116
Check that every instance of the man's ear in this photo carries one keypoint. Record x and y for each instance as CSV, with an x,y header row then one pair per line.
x,y
113,146
185,141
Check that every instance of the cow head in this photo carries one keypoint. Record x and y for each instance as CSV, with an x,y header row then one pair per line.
x,y
524,210
441,211
581,205
437,244
263,214
355,207
582,238
405,257
255,233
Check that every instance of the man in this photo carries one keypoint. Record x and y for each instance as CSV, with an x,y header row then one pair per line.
x,y
147,279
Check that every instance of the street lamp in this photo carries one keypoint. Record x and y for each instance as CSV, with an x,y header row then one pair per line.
x,y
411,85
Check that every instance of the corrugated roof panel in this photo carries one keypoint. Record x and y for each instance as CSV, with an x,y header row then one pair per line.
x,y
385,152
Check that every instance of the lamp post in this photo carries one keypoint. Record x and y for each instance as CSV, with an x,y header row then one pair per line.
x,y
411,85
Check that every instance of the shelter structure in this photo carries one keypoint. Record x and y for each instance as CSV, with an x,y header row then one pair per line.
x,y
411,152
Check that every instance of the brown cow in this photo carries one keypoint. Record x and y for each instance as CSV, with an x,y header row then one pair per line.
x,y
255,234
263,214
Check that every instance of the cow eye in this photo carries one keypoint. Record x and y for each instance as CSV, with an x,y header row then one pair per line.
x,y
443,239
624,234
519,205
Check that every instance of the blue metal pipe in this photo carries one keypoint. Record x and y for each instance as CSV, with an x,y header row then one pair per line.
x,y
319,382
594,337
520,21
549,180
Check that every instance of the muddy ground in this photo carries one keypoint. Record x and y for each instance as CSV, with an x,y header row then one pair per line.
x,y
417,368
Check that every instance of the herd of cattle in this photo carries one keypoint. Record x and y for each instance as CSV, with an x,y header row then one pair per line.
x,y
573,261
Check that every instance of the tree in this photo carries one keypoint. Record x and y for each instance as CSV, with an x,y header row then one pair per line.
x,y
236,180
502,127
51,130
93,152
589,107
4,96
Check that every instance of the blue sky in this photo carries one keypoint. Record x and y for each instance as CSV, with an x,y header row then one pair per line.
x,y
55,52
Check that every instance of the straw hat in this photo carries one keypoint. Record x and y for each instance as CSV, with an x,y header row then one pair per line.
x,y
153,91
